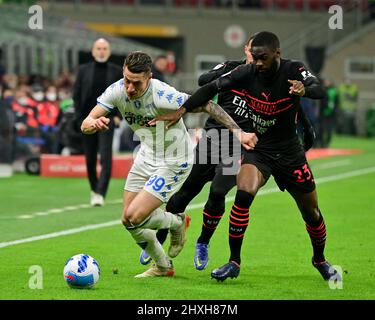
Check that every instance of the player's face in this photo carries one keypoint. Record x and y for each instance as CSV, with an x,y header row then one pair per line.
x,y
265,59
101,50
135,83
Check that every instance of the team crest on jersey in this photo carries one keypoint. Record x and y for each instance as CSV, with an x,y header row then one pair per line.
x,y
137,104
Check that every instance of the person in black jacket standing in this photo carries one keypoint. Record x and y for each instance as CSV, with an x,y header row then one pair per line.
x,y
92,79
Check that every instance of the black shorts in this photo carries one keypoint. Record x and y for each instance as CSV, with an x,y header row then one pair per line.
x,y
218,163
290,170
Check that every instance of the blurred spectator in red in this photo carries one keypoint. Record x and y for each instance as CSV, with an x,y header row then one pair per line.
x,y
48,117
25,109
171,62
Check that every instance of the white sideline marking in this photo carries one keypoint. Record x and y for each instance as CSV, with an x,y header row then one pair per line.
x,y
60,233
333,164
61,210
194,206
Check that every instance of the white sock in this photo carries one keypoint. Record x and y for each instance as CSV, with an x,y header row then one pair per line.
x,y
153,247
160,219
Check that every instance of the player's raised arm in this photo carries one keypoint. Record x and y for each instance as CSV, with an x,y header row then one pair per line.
x,y
304,83
95,121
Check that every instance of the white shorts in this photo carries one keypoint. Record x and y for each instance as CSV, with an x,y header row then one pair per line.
x,y
161,181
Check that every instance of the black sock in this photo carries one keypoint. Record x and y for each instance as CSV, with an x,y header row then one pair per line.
x,y
210,223
238,222
162,235
317,233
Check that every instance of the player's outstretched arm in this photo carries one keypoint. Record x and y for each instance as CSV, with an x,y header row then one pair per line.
x,y
171,118
197,99
248,140
95,121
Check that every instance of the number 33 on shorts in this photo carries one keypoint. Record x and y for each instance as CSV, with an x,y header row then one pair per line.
x,y
304,174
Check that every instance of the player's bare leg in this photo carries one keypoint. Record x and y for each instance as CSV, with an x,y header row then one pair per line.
x,y
140,215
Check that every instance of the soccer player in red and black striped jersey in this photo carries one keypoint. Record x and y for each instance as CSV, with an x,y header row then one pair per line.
x,y
272,88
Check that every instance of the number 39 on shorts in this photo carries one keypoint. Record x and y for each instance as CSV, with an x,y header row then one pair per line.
x,y
156,182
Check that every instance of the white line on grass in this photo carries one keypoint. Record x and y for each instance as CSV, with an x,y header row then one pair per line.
x,y
60,233
336,177
333,164
61,210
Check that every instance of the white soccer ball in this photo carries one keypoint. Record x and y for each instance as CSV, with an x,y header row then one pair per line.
x,y
81,271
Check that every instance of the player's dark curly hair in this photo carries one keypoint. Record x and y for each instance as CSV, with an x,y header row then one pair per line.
x,y
138,62
266,39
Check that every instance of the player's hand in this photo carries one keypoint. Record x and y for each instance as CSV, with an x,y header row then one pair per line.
x,y
248,140
297,88
171,117
101,124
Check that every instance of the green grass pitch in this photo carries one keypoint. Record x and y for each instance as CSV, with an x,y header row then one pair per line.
x,y
275,257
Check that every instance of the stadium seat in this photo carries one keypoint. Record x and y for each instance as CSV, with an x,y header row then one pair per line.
x,y
282,4
351,4
315,5
265,4
90,2
328,3
193,3
122,2
178,3
208,3
298,5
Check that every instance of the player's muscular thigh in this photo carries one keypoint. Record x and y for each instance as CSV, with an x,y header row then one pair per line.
x,y
141,207
250,179
127,199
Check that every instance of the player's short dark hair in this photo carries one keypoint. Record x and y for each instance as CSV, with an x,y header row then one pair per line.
x,y
266,39
138,62
250,38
